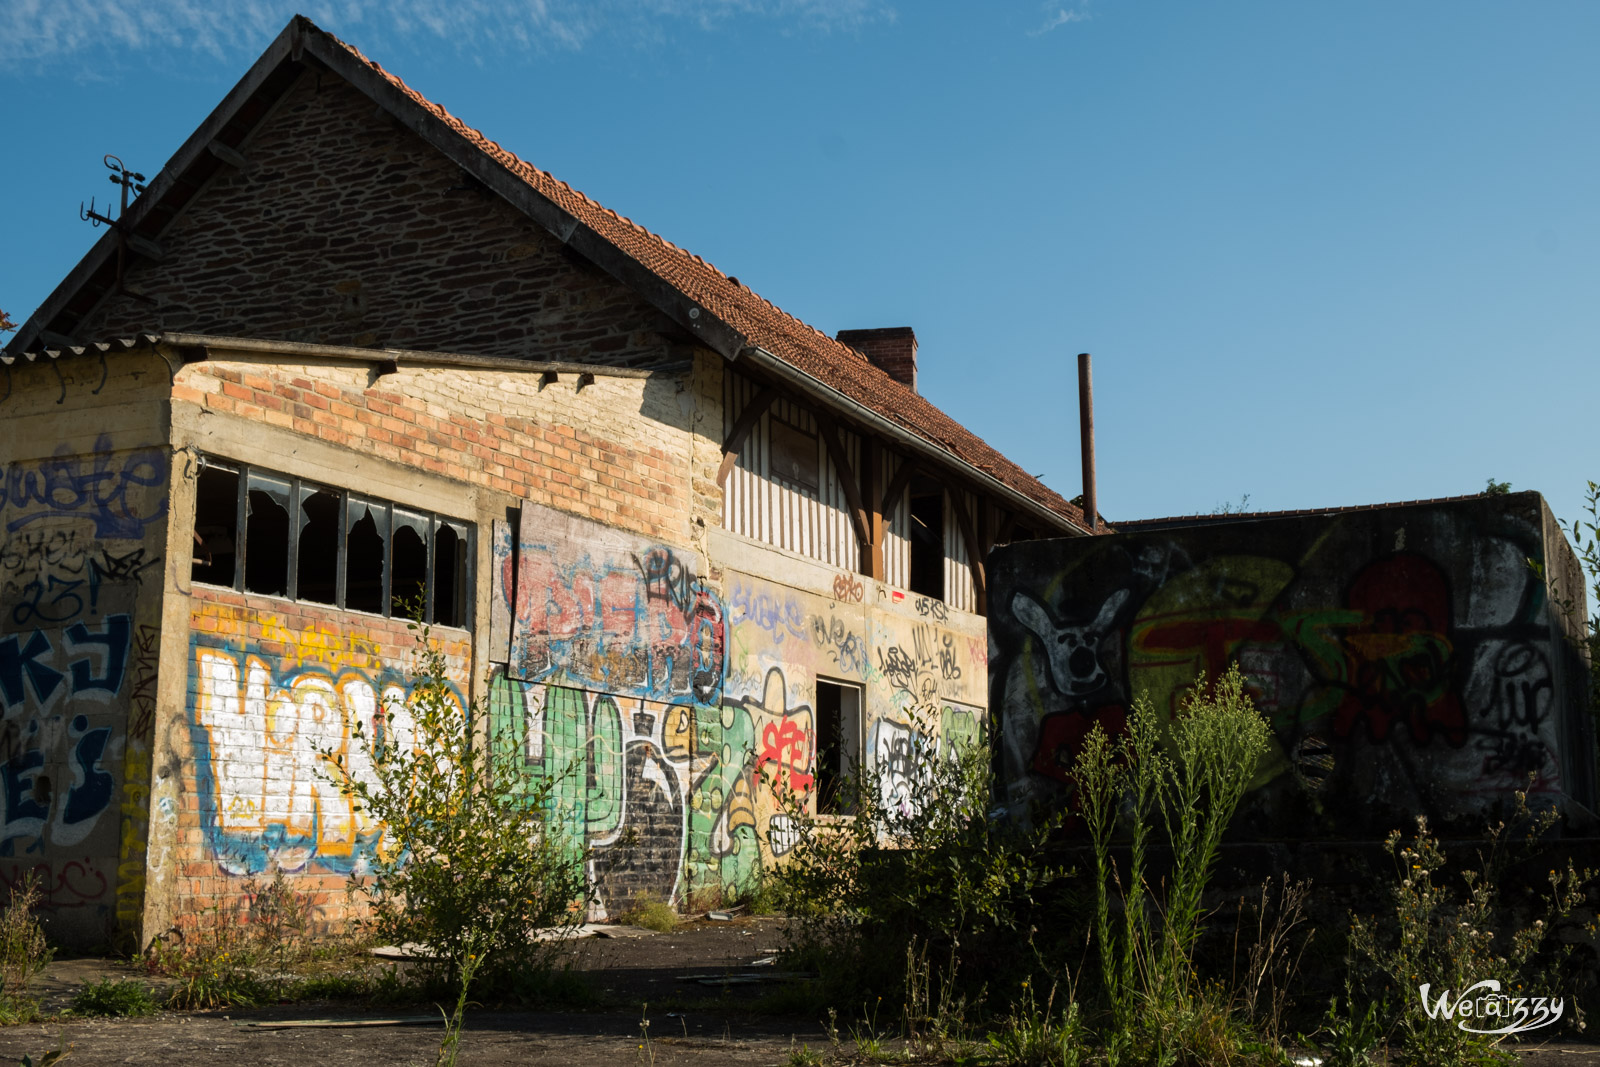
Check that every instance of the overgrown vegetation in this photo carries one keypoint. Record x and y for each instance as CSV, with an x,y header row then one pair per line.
x,y
473,868
1450,939
24,952
258,949
650,915
1182,781
966,929
921,902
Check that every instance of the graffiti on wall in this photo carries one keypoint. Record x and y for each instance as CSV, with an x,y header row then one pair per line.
x,y
266,702
612,614
118,492
668,796
1425,673
77,675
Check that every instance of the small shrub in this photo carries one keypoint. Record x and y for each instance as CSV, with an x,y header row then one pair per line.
x,y
651,915
921,872
1349,1037
24,952
477,864
1450,939
115,997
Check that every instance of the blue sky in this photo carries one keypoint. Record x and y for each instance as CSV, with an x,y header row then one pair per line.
x,y
1323,254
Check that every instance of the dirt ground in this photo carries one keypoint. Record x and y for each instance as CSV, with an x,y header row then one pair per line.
x,y
706,1021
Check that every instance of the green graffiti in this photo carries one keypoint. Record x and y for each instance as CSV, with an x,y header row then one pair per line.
x,y
580,737
724,852
960,730
602,766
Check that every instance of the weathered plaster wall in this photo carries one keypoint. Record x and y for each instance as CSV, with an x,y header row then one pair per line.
x,y
1409,658
672,695
83,527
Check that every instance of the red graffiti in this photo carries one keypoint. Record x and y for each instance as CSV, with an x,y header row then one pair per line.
x,y
788,745
1400,660
71,884
1061,738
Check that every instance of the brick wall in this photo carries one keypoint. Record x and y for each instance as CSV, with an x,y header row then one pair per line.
x,y
271,684
616,450
349,229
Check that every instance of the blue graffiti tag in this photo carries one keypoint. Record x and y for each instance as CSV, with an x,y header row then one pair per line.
x,y
106,492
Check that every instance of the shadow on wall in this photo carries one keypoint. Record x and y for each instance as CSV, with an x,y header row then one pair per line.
x,y
1408,659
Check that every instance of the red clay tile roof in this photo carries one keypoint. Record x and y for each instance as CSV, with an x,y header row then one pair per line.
x,y
761,322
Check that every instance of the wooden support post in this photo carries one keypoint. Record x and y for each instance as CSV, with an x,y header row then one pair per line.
x,y
872,563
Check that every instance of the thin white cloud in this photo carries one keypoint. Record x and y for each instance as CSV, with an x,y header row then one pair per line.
x,y
35,31
1056,17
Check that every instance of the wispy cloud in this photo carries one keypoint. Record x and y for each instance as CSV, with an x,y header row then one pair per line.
x,y
35,31
1057,16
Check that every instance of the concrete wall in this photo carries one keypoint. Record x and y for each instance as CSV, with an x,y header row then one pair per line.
x,y
1409,658
83,541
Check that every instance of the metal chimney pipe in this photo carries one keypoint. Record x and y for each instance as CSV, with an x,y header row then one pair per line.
x,y
1091,508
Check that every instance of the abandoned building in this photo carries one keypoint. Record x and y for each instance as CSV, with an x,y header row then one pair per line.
x,y
346,356
1413,659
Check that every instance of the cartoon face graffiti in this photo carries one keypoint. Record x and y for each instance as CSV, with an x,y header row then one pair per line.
x,y
1070,650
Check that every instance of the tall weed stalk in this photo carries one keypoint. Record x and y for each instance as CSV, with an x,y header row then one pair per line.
x,y
1194,772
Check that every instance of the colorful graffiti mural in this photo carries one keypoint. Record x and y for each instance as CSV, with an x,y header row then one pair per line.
x,y
1410,656
262,714
665,795
598,609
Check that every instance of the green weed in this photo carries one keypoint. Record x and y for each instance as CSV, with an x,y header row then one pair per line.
x,y
1190,774
650,915
115,997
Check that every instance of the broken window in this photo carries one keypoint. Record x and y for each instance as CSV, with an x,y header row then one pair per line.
x,y
838,746
216,525
326,546
366,524
317,570
266,535
450,575
927,537
409,584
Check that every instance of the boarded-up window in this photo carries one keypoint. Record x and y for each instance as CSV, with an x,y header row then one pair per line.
x,y
794,457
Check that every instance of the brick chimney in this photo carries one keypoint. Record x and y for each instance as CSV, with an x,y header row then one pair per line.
x,y
892,350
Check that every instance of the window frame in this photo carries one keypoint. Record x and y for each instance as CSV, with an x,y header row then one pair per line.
x,y
850,763
299,490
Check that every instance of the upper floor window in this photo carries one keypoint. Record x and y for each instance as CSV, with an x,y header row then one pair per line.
x,y
312,542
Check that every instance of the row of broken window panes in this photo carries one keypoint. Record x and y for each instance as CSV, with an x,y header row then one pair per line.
x,y
313,543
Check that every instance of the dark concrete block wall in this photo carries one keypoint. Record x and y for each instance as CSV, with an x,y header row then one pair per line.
x,y
1410,659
